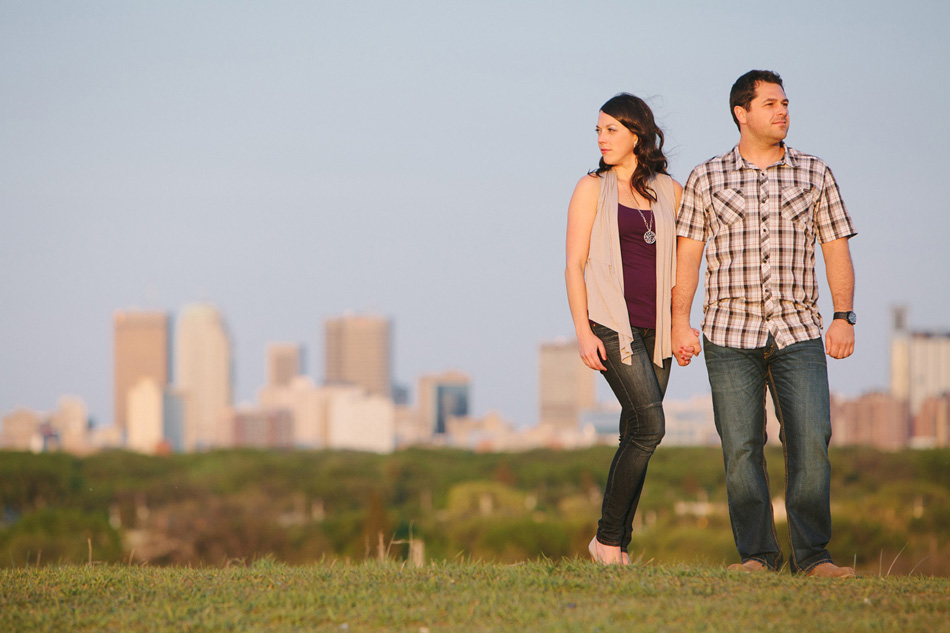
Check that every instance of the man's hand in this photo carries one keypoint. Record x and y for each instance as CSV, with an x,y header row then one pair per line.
x,y
685,344
839,340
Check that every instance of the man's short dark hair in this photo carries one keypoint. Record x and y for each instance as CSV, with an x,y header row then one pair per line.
x,y
743,91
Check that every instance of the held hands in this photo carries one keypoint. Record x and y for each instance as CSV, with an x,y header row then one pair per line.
x,y
839,340
592,350
685,345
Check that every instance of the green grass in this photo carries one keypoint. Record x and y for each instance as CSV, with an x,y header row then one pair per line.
x,y
569,595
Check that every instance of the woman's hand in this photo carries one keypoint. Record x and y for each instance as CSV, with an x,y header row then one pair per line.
x,y
688,347
592,350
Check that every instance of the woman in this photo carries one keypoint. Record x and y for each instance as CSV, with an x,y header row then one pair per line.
x,y
620,272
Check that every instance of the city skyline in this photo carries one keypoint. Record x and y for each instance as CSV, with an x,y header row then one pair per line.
x,y
289,162
195,411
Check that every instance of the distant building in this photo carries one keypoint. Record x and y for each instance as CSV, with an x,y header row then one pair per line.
x,y
146,413
19,429
173,421
567,386
260,428
691,422
71,423
65,429
920,362
488,433
203,374
284,363
140,351
440,397
306,404
409,428
359,421
874,419
156,419
358,352
932,423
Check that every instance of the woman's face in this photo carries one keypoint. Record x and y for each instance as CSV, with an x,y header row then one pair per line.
x,y
616,142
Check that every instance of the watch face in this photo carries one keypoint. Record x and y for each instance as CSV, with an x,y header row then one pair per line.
x,y
848,316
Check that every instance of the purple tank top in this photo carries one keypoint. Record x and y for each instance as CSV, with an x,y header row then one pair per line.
x,y
639,266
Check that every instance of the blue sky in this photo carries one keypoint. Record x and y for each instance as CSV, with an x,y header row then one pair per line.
x,y
289,161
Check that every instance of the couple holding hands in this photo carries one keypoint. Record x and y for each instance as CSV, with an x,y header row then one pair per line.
x,y
635,241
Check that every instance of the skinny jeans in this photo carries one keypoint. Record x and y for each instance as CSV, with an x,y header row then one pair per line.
x,y
797,377
639,388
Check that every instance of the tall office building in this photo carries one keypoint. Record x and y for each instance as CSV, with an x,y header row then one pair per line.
x,y
567,386
284,363
146,415
358,353
203,374
140,352
441,396
920,362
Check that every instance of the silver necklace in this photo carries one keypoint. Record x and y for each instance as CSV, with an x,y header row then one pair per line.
x,y
649,237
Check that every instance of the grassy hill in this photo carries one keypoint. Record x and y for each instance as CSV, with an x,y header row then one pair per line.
x,y
569,595
224,508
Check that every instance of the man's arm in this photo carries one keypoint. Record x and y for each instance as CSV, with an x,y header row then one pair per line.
x,y
689,255
839,339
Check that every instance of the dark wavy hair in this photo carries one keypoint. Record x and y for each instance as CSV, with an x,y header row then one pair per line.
x,y
636,116
743,91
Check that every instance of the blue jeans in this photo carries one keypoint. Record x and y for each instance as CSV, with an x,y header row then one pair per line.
x,y
639,387
797,376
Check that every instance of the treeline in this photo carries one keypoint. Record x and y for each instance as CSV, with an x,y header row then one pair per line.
x,y
891,510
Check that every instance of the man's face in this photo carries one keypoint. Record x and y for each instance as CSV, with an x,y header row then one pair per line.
x,y
767,117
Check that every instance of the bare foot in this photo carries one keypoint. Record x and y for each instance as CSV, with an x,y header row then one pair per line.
x,y
604,554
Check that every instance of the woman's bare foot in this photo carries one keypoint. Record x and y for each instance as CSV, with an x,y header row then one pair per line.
x,y
624,558
604,554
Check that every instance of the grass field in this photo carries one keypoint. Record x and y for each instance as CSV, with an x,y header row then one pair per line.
x,y
569,595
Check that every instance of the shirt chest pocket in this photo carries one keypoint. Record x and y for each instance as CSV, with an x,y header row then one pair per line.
x,y
797,206
729,208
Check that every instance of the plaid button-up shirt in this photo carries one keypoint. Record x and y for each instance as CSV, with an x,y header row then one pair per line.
x,y
761,226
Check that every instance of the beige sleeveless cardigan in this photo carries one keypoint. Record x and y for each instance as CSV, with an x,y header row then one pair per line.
x,y
604,271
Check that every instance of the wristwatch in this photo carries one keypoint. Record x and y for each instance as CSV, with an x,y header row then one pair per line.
x,y
848,316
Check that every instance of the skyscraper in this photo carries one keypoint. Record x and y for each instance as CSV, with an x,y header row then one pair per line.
x,y
567,386
920,362
358,353
440,396
140,352
284,363
203,374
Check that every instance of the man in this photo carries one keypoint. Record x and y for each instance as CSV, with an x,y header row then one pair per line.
x,y
760,208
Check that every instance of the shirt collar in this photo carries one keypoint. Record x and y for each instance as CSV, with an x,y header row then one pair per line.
x,y
788,159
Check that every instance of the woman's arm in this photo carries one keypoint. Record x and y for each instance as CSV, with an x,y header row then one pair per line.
x,y
580,220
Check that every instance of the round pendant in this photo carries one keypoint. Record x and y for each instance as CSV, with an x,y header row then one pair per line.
x,y
649,237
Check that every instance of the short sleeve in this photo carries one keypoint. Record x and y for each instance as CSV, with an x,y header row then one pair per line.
x,y
691,216
831,216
